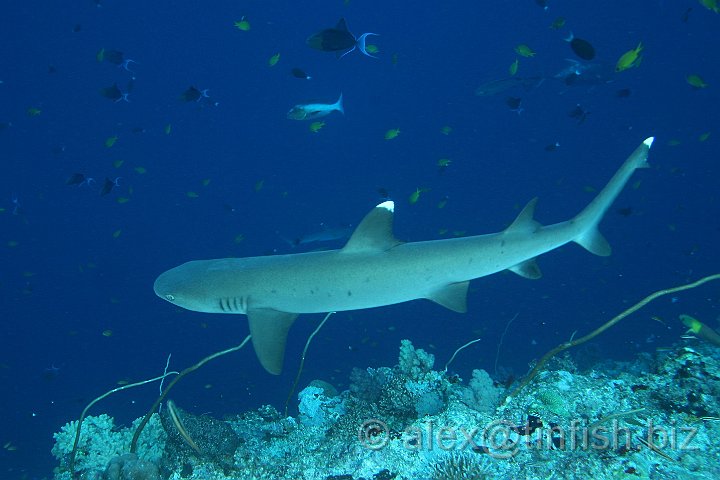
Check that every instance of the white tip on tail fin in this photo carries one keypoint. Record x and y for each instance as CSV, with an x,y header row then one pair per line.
x,y
590,238
387,205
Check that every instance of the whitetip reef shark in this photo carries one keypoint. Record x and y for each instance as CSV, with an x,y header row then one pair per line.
x,y
374,269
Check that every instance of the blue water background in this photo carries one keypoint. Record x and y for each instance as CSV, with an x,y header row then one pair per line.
x,y
65,278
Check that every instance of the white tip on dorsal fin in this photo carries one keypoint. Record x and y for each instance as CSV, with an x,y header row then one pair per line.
x,y
524,222
388,204
375,231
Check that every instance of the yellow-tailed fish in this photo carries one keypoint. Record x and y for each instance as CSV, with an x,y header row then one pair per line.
x,y
629,59
710,5
444,162
371,48
316,126
141,170
514,67
242,24
524,50
701,330
110,141
558,23
392,133
33,112
192,195
118,163
696,81
415,196
206,182
446,130
274,60
704,136
168,129
100,55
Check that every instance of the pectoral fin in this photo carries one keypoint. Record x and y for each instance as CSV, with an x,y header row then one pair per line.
x,y
269,329
453,297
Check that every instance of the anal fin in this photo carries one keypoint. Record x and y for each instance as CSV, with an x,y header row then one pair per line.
x,y
269,329
452,296
528,269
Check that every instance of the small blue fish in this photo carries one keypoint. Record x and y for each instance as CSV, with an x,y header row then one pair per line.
x,y
311,111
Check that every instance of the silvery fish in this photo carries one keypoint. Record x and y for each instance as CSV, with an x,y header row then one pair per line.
x,y
311,111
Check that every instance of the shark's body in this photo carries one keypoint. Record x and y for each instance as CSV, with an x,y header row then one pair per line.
x,y
374,269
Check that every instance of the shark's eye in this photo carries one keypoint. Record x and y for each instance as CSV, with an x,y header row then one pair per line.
x,y
170,298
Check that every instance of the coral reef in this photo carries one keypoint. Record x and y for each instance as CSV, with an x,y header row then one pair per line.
x,y
100,442
655,417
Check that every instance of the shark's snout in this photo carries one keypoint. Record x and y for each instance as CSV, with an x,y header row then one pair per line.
x,y
161,288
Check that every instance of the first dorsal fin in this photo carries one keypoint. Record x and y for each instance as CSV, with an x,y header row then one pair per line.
x,y
374,234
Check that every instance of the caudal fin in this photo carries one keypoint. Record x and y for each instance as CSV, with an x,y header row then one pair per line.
x,y
339,105
360,43
590,238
